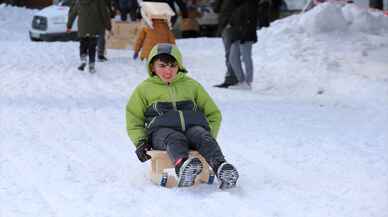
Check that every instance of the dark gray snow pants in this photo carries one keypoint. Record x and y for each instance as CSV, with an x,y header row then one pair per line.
x,y
178,144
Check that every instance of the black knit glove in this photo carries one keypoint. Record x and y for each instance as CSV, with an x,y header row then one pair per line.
x,y
141,151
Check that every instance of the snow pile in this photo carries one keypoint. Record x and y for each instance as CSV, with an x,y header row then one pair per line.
x,y
362,20
12,20
329,17
325,18
336,51
296,4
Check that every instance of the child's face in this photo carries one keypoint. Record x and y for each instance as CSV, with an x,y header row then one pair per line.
x,y
166,71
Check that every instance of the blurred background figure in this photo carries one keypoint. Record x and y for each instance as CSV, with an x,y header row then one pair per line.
x,y
190,26
129,6
155,31
171,3
93,19
101,51
225,9
243,27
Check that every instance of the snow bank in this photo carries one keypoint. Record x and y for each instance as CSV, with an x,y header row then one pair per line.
x,y
15,22
325,18
329,51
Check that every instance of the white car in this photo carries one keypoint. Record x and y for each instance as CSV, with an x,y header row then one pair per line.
x,y
49,24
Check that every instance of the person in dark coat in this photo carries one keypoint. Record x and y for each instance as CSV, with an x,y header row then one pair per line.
x,y
171,3
225,9
93,19
243,27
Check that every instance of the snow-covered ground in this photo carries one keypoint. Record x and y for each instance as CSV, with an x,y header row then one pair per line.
x,y
310,139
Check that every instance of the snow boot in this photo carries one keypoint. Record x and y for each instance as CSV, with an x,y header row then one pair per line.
x,y
92,68
83,63
102,58
227,175
229,81
188,171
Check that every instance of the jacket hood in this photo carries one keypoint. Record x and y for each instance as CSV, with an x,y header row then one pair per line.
x,y
165,48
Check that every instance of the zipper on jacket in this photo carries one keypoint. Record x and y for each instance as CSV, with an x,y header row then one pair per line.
x,y
195,106
151,122
182,119
155,105
173,97
173,101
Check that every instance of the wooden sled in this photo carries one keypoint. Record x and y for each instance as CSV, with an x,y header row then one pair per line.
x,y
163,171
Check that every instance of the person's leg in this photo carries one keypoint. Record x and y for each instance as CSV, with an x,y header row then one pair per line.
x,y
174,142
246,52
226,39
176,145
235,61
230,77
92,53
83,48
133,7
202,141
101,47
123,9
207,146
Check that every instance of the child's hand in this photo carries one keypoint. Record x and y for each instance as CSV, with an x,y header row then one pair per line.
x,y
68,30
135,55
141,151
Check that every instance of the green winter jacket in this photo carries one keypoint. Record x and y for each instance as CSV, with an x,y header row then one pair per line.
x,y
181,104
93,17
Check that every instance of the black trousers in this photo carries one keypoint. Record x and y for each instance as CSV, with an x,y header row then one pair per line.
x,y
178,144
101,44
87,47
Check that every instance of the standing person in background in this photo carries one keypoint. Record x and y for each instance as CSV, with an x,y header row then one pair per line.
x,y
243,26
155,31
129,6
93,19
190,26
275,9
149,36
101,38
265,13
115,7
171,3
225,8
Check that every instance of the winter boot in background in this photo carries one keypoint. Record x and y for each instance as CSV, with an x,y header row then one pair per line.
x,y
229,80
83,63
187,171
102,58
227,175
92,68
241,86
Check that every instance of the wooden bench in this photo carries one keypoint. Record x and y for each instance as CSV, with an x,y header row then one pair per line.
x,y
163,170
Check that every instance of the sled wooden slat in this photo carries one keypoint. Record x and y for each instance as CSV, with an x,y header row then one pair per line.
x,y
161,164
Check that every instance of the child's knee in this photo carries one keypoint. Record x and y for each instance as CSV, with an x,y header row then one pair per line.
x,y
200,135
175,137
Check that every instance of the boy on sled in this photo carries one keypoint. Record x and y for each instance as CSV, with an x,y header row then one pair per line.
x,y
171,111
